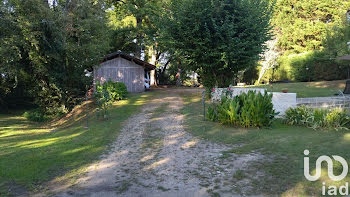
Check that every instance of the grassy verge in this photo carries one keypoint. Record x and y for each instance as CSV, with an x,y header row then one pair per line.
x,y
283,146
308,89
32,154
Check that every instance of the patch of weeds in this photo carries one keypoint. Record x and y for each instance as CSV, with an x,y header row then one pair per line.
x,y
215,194
152,142
123,187
225,155
237,189
197,174
160,110
212,193
216,187
217,180
239,175
163,188
204,184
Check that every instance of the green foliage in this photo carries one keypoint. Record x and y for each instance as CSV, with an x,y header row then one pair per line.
x,y
228,111
286,142
39,115
133,22
116,90
317,118
212,113
337,118
311,34
308,66
46,49
121,91
257,109
298,116
36,116
107,93
104,98
216,38
250,75
247,110
301,25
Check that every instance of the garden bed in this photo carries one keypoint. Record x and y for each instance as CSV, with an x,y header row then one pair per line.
x,y
281,101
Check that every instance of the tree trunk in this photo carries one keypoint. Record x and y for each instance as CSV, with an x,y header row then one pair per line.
x,y
261,74
178,75
139,38
153,54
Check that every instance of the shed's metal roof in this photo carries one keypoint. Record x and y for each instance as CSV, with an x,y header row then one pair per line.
x,y
130,58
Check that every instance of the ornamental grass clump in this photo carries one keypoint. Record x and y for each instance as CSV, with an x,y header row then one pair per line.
x,y
246,110
318,118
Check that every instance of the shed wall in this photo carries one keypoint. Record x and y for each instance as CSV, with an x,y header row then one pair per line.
x,y
121,70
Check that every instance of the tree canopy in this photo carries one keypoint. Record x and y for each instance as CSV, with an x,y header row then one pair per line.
x,y
302,25
217,38
46,49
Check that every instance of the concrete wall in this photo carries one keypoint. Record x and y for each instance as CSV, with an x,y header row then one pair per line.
x,y
281,101
121,70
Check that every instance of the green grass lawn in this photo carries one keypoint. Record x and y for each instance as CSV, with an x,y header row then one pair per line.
x,y
31,155
308,89
284,145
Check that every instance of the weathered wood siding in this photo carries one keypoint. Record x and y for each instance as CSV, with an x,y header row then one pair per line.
x,y
121,70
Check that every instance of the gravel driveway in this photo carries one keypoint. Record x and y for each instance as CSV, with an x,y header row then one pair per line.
x,y
155,156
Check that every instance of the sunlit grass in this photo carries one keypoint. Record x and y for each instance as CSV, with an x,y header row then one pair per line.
x,y
283,146
32,154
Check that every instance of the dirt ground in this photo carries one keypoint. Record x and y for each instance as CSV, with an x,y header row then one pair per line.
x,y
155,156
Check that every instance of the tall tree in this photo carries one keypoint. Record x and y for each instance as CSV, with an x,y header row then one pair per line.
x,y
218,38
301,25
51,46
139,16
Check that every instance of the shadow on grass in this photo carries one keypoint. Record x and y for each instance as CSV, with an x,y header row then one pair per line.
x,y
32,154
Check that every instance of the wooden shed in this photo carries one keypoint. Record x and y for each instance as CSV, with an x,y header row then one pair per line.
x,y
121,67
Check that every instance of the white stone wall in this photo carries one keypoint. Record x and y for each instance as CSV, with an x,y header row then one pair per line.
x,y
281,101
217,94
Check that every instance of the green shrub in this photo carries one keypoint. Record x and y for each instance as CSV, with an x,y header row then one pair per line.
x,y
308,66
121,91
247,110
257,109
36,115
228,111
250,75
298,116
317,118
108,92
212,113
337,118
116,90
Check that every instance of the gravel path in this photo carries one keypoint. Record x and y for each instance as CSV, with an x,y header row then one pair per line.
x,y
155,156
